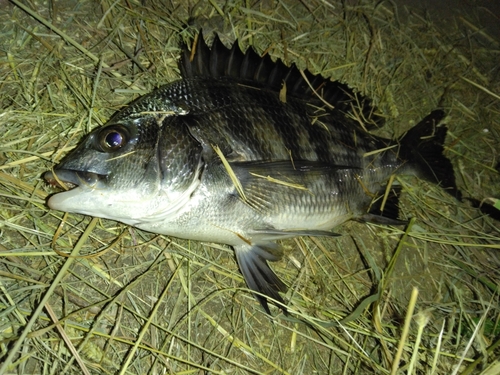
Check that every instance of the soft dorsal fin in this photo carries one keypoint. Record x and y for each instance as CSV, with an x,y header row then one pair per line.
x,y
218,61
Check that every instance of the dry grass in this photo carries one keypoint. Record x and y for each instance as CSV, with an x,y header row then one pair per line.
x,y
81,295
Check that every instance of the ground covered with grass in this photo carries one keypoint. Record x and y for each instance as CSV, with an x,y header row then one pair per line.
x,y
86,296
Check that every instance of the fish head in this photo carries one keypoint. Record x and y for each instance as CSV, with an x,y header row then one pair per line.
x,y
133,169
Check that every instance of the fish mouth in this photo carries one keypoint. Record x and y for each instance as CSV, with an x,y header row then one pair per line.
x,y
69,179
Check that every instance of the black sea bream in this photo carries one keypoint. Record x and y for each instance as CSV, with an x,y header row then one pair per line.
x,y
245,151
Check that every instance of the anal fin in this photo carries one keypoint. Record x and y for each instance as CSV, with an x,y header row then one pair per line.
x,y
390,213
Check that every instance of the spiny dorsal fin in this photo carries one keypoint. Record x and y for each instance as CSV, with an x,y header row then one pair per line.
x,y
218,61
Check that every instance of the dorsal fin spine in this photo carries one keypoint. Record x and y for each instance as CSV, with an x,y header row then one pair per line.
x,y
221,62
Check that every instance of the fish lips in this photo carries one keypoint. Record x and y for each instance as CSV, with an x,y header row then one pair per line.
x,y
80,189
69,179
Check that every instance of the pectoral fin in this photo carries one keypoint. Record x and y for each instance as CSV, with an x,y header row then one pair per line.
x,y
285,168
252,260
265,183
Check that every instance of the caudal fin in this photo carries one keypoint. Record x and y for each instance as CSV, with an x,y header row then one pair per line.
x,y
423,146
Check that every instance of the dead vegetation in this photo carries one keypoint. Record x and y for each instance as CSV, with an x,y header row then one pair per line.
x,y
81,295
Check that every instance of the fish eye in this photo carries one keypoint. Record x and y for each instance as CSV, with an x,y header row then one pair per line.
x,y
112,138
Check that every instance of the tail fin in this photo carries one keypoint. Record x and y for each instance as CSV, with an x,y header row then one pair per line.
x,y
422,147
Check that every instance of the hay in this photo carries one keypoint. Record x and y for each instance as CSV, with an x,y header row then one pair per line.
x,y
125,301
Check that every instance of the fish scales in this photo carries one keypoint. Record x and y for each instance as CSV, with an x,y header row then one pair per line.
x,y
288,167
233,110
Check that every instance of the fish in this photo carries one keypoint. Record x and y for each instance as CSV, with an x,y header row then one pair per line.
x,y
246,151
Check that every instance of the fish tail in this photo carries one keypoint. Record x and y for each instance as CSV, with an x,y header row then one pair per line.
x,y
422,147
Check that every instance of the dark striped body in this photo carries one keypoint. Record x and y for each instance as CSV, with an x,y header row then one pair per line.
x,y
254,124
222,157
